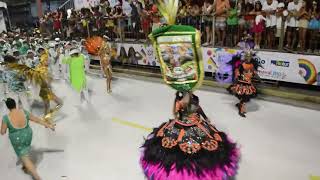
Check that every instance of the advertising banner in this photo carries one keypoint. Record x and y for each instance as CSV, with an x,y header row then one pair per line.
x,y
287,67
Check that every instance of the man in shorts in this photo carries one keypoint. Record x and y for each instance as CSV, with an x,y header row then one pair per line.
x,y
269,7
292,33
221,8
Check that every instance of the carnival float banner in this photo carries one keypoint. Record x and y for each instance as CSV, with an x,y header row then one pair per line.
x,y
287,67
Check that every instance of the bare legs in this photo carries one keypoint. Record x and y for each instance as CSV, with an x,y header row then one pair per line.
x,y
57,100
242,108
302,37
30,168
208,35
257,40
108,74
270,37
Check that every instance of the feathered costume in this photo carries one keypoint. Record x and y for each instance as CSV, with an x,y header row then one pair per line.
x,y
187,147
245,72
39,76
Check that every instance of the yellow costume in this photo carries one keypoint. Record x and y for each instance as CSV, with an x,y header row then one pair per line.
x,y
45,91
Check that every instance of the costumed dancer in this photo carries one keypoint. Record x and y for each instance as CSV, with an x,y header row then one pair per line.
x,y
54,57
97,46
15,83
76,63
84,51
20,134
46,92
40,76
64,67
3,85
4,47
243,88
32,61
188,146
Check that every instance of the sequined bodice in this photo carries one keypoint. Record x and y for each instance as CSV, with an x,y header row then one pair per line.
x,y
247,73
189,113
189,131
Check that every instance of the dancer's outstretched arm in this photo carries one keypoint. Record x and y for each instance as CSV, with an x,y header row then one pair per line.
x,y
41,122
4,128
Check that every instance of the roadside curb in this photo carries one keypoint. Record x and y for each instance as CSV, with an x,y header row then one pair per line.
x,y
286,94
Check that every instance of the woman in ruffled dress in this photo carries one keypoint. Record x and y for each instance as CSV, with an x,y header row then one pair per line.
x,y
189,146
243,88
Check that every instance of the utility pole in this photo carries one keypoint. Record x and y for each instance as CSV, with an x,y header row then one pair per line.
x,y
39,6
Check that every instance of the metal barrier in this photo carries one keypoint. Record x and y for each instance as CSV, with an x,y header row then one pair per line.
x,y
136,29
69,4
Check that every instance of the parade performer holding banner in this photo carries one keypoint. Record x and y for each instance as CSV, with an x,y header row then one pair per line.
x,y
98,47
188,146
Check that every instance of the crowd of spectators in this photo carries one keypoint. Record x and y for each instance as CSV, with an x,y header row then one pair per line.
x,y
295,24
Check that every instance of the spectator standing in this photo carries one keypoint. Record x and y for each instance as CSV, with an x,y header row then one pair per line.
x,y
303,17
194,11
182,13
258,26
110,25
57,17
155,17
207,10
104,4
43,25
97,15
49,23
241,6
269,8
146,18
71,25
127,10
232,23
280,18
119,16
314,26
293,9
221,8
136,10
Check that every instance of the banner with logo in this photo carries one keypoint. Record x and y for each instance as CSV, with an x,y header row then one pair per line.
x,y
287,67
296,68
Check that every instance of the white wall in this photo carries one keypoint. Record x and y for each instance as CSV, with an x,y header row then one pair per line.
x,y
2,22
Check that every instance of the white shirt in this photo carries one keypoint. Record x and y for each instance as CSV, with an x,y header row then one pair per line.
x,y
279,23
270,20
113,3
126,8
293,22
